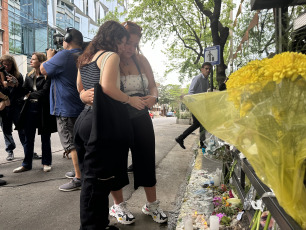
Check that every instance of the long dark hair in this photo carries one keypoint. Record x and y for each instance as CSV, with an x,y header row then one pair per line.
x,y
9,58
109,35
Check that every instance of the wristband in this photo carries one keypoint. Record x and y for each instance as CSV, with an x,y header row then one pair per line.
x,y
156,98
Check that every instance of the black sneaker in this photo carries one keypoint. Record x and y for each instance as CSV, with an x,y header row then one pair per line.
x,y
111,227
36,156
2,182
130,169
180,142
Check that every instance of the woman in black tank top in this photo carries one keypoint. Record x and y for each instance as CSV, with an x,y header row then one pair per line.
x,y
103,49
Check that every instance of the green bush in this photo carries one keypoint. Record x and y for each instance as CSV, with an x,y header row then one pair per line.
x,y
185,115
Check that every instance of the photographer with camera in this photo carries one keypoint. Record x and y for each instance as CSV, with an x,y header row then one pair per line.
x,y
65,103
11,95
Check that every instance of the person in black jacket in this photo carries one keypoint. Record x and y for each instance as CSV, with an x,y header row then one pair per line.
x,y
11,93
36,114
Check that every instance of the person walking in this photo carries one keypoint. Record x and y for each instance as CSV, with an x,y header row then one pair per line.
x,y
137,80
65,103
103,166
199,84
36,114
10,113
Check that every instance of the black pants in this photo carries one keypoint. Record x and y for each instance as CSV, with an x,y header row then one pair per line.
x,y
143,151
94,204
196,124
94,194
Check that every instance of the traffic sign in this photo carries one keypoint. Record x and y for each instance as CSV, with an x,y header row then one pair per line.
x,y
212,55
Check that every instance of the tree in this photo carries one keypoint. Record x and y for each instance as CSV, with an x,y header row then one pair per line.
x,y
187,26
261,39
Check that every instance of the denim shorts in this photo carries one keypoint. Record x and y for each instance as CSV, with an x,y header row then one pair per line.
x,y
65,131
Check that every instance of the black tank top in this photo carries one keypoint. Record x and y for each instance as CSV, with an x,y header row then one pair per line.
x,y
90,74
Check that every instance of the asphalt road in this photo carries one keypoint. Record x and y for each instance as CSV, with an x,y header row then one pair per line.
x,y
32,201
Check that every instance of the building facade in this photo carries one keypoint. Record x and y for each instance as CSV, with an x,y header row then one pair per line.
x,y
28,26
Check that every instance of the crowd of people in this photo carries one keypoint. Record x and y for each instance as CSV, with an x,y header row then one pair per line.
x,y
79,94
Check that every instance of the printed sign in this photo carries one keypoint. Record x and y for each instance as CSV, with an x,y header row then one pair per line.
x,y
212,55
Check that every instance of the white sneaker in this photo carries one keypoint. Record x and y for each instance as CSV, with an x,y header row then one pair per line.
x,y
122,214
47,168
155,211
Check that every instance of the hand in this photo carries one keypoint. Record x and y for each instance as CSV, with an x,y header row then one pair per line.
x,y
3,96
50,53
87,96
137,102
149,100
12,81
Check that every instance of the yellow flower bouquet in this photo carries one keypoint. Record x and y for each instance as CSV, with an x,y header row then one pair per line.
x,y
263,114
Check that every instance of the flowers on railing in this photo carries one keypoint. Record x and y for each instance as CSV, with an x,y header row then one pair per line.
x,y
263,115
253,77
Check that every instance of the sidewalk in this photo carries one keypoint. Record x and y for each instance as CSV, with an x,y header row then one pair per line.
x,y
194,201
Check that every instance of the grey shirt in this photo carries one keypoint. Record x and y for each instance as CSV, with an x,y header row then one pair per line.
x,y
199,84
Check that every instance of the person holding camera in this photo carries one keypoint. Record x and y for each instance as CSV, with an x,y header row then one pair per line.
x,y
13,92
65,103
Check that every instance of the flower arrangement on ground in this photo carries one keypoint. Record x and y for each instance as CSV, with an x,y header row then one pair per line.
x,y
263,114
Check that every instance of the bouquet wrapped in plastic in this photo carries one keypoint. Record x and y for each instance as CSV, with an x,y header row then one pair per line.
x,y
263,114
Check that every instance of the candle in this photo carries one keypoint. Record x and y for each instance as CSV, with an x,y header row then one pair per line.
x,y
216,180
188,223
214,223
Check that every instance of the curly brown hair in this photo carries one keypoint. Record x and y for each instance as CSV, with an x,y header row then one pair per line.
x,y
109,35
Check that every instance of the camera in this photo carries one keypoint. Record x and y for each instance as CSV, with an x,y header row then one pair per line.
x,y
58,40
2,69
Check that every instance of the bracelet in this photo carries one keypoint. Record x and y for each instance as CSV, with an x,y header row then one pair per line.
x,y
156,98
127,100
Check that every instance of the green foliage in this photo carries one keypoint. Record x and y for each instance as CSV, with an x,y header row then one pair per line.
x,y
225,220
185,115
171,95
183,27
262,37
112,15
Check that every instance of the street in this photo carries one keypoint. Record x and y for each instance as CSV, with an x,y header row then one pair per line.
x,y
31,200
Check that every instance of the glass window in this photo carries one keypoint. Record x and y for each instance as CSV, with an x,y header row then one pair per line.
x,y
60,20
0,18
41,39
77,25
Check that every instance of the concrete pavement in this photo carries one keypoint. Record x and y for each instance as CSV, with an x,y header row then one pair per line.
x,y
31,200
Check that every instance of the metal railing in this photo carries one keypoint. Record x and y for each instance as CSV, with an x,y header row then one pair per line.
x,y
283,220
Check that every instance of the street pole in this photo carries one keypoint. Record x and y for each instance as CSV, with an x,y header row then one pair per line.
x,y
212,79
